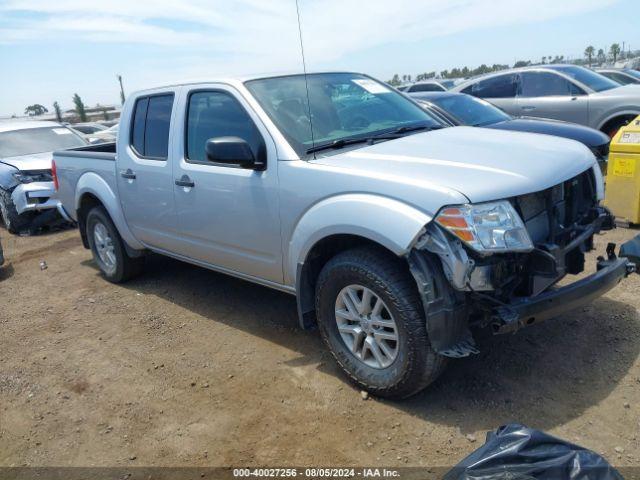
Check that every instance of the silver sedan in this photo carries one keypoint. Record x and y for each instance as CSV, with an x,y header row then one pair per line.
x,y
562,92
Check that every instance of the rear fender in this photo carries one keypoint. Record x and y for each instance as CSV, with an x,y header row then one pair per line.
x,y
93,184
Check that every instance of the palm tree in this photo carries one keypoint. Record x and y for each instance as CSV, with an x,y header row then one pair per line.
x,y
614,51
588,52
56,107
601,57
77,101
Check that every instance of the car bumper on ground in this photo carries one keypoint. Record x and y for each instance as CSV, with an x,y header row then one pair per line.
x,y
527,311
35,196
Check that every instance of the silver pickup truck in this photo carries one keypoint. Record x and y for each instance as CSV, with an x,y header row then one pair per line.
x,y
398,237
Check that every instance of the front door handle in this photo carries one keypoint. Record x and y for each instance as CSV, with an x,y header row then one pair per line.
x,y
129,174
185,181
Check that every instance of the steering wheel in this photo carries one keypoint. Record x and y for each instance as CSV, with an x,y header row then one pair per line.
x,y
357,122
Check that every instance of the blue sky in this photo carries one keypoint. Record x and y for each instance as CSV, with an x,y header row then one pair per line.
x,y
51,49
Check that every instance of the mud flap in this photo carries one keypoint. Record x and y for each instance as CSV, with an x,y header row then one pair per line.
x,y
445,310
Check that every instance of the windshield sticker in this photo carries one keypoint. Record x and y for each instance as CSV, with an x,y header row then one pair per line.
x,y
371,86
61,131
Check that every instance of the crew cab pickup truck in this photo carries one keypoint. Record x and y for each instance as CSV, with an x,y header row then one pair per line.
x,y
398,237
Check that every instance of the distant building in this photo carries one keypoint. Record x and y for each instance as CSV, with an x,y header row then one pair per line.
x,y
94,114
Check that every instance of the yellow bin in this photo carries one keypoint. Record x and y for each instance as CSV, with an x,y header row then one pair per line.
x,y
623,173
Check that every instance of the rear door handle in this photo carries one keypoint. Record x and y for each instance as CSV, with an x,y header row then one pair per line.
x,y
129,174
185,181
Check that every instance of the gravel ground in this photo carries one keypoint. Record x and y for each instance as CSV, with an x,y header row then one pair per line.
x,y
183,366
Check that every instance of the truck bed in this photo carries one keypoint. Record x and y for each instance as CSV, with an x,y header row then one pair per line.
x,y
73,164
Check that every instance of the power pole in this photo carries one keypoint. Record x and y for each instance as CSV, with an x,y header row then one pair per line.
x,y
121,90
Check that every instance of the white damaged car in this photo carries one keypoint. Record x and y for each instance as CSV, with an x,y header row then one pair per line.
x,y
26,185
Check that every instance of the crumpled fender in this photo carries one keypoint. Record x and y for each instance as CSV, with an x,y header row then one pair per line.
x,y
389,222
7,182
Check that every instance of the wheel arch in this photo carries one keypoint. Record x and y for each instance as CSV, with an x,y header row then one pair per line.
x,y
617,117
92,190
340,223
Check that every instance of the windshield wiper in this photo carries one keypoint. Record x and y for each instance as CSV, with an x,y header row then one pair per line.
x,y
342,142
401,131
386,135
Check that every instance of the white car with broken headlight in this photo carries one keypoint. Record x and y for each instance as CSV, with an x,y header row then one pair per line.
x,y
26,186
397,236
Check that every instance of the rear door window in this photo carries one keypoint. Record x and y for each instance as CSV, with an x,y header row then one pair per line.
x,y
502,86
546,84
150,129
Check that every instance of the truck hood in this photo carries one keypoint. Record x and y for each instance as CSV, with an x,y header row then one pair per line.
x,y
482,164
35,161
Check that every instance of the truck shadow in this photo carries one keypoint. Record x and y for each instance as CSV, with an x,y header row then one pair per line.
x,y
543,376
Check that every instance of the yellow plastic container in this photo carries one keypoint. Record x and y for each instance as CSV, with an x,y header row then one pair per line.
x,y
623,173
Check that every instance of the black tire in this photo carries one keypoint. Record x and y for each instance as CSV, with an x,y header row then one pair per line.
x,y
124,267
13,222
416,364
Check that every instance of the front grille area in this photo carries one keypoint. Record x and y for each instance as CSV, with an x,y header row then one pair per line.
x,y
554,216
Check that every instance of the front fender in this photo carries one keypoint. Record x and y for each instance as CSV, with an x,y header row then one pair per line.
x,y
619,112
7,181
391,223
93,184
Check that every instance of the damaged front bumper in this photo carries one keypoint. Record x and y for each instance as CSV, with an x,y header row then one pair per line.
x,y
526,311
34,196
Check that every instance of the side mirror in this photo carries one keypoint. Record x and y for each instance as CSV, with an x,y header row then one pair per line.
x,y
233,151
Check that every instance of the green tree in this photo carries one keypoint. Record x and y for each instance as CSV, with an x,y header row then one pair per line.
x,y
588,53
395,81
80,110
614,50
56,108
35,109
602,58
522,63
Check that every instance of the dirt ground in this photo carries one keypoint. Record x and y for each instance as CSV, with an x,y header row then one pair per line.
x,y
184,366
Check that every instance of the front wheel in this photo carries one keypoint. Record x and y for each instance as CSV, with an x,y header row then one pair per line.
x,y
13,221
371,317
108,248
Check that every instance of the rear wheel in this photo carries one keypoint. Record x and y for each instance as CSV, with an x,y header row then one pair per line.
x,y
13,221
371,317
108,248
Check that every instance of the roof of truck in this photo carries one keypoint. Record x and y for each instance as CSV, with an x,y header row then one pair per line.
x,y
245,78
10,125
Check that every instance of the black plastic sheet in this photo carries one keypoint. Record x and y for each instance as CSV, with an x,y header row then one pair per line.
x,y
516,452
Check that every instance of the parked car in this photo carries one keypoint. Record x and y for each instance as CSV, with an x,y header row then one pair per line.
x,y
461,109
562,92
26,185
88,127
104,136
424,86
623,76
396,235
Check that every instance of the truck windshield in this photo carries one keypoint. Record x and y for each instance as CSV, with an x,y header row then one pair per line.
x,y
470,110
593,80
37,140
340,107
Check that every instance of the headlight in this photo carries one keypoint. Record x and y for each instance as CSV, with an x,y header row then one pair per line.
x,y
33,176
487,227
